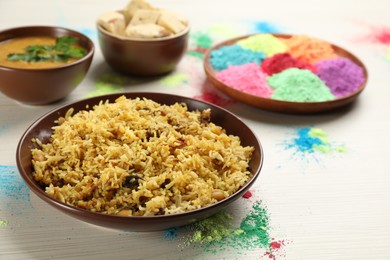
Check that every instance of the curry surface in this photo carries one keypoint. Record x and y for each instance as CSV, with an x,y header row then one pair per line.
x,y
18,45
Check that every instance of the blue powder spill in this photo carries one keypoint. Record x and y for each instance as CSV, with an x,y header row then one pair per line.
x,y
305,142
12,185
265,27
226,56
171,233
91,33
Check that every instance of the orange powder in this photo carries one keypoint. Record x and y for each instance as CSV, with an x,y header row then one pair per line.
x,y
309,50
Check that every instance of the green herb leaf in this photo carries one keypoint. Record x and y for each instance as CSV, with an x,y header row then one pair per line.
x,y
62,51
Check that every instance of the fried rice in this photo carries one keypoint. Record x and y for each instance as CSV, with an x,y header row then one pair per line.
x,y
136,157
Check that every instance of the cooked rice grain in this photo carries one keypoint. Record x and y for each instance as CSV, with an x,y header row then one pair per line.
x,y
137,157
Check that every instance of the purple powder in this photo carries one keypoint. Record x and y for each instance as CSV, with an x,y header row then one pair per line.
x,y
341,75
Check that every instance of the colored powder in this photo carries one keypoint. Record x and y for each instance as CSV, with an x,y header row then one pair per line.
x,y
12,185
223,31
380,35
202,42
175,79
265,27
388,53
247,195
226,56
308,49
3,223
266,43
108,83
341,75
171,233
311,140
247,78
102,88
299,86
217,233
283,61
215,98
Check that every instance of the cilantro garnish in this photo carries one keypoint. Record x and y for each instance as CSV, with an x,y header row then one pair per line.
x,y
61,51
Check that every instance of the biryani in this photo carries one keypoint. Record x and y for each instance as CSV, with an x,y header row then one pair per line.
x,y
136,157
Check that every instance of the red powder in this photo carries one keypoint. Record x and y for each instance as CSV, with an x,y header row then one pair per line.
x,y
381,35
247,195
282,61
214,98
275,245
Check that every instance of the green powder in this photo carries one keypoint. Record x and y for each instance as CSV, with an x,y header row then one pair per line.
x,y
266,43
202,40
174,80
298,85
217,233
102,88
3,223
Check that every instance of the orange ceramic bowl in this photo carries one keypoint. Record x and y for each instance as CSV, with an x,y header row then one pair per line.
x,y
44,85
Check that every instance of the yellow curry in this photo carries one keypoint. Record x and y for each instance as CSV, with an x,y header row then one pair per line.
x,y
19,45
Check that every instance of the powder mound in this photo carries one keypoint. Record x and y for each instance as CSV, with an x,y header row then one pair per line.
x,y
247,78
341,75
298,85
309,50
283,61
234,55
266,43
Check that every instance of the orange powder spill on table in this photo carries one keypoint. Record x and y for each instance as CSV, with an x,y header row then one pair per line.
x,y
309,50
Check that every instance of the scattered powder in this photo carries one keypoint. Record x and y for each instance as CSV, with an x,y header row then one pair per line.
x,y
171,233
266,43
283,61
201,43
223,31
108,83
247,78
312,140
226,56
308,49
247,195
3,223
299,86
12,185
380,35
214,98
265,27
388,53
218,233
174,80
341,75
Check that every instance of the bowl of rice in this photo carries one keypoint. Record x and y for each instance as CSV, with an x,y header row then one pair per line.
x,y
139,161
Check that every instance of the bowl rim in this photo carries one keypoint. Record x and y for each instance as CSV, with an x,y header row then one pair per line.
x,y
89,55
33,185
335,103
142,40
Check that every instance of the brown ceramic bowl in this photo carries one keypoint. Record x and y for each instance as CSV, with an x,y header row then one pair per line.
x,y
46,85
279,105
143,57
42,129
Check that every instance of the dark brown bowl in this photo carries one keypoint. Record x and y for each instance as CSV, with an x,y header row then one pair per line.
x,y
47,85
143,57
279,105
42,129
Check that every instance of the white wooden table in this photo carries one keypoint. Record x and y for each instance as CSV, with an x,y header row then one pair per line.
x,y
320,206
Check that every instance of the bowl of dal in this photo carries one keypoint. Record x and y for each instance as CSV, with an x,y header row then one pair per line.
x,y
42,64
139,161
294,74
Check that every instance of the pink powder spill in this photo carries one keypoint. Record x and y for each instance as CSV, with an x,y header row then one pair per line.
x,y
247,195
248,78
215,98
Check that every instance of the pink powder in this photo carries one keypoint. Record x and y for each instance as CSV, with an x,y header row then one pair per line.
x,y
248,78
